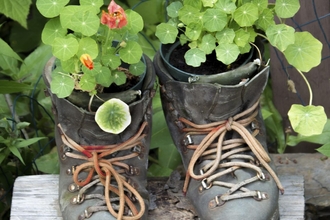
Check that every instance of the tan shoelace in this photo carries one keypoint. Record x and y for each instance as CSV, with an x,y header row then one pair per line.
x,y
102,171
216,154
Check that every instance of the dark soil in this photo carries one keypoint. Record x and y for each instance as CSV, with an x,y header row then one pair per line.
x,y
131,80
210,66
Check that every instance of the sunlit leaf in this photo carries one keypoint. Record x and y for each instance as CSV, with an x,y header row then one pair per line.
x,y
135,22
227,53
227,35
286,8
173,9
65,48
227,6
194,57
214,20
280,36
131,53
305,53
307,120
61,84
325,149
246,15
88,46
51,8
137,68
166,33
208,43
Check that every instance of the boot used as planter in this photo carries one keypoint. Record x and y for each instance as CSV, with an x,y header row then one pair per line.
x,y
103,175
220,134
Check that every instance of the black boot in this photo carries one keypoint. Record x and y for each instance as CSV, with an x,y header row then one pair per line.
x,y
220,134
103,175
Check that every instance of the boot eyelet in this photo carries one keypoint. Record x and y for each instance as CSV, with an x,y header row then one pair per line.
x,y
73,187
87,214
132,171
216,202
261,176
204,184
260,196
78,199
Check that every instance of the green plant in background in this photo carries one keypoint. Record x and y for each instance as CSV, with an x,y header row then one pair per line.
x,y
229,28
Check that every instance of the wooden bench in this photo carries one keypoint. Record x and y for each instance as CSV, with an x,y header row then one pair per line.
x,y
36,198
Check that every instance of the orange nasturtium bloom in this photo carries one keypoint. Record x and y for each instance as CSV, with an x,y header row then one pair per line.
x,y
116,18
87,61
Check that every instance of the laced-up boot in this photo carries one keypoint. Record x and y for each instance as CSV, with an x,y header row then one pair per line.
x,y
220,134
103,175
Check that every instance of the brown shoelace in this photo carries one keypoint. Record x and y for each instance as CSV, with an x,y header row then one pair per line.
x,y
218,154
102,171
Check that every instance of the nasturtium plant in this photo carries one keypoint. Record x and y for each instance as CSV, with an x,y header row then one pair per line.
x,y
80,36
229,28
113,116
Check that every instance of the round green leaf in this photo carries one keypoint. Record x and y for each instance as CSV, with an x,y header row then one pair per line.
x,y
208,43
131,53
166,33
113,116
280,36
187,14
95,4
118,77
104,77
61,84
173,8
65,48
194,57
241,37
226,6
305,52
246,15
112,60
87,82
266,19
262,4
227,35
137,68
286,8
52,30
214,20
89,46
193,31
227,53
51,8
86,23
135,22
307,120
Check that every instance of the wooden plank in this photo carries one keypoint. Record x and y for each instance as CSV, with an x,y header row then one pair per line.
x,y
39,201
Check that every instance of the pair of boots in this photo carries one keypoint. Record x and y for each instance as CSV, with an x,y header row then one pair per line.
x,y
217,129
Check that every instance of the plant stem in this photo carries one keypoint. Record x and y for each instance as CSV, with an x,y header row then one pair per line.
x,y
308,86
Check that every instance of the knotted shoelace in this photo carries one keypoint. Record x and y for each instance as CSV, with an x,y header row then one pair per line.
x,y
107,172
217,154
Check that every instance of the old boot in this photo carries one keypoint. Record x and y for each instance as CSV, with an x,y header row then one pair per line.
x,y
220,134
102,175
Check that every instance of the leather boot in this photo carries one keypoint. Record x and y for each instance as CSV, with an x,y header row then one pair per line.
x,y
103,175
220,134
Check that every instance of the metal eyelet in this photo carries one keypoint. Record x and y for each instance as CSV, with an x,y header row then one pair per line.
x,y
87,214
73,187
78,199
133,171
260,196
204,184
217,201
261,176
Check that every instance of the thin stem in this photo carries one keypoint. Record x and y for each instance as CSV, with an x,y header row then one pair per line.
x,y
260,56
308,86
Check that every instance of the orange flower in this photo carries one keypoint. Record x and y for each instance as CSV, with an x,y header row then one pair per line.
x,y
87,61
116,18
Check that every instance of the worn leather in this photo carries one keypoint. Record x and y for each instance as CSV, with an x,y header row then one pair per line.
x,y
80,126
204,103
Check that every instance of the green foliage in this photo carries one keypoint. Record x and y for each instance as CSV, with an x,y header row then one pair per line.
x,y
229,28
16,9
246,19
74,31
